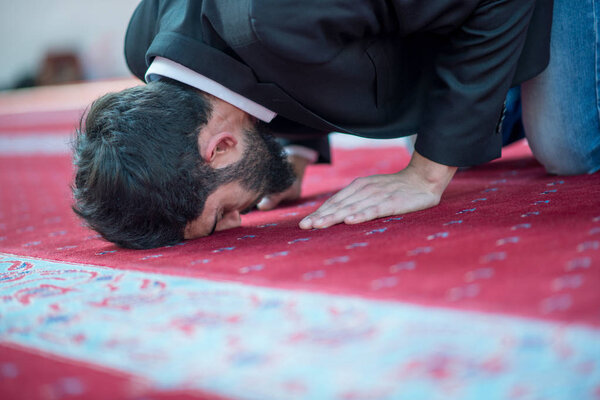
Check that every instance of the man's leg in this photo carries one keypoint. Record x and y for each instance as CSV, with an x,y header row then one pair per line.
x,y
561,107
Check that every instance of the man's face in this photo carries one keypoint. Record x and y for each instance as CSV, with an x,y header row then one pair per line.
x,y
263,170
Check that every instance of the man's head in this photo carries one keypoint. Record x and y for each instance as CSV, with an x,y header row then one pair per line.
x,y
161,162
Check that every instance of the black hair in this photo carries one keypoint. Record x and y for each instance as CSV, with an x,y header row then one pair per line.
x,y
139,175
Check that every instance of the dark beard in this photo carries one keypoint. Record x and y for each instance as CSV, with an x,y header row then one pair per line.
x,y
264,168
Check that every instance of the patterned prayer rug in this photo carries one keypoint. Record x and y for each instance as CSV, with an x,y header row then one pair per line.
x,y
494,294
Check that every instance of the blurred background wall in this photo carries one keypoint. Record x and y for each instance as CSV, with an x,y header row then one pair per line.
x,y
57,41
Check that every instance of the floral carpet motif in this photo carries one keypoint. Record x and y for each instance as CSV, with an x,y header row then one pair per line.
x,y
262,343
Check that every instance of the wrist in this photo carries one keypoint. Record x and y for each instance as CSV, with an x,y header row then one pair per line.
x,y
434,175
299,165
300,157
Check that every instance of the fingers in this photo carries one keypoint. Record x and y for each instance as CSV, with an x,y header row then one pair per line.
x,y
367,214
358,202
347,196
299,164
268,203
347,212
370,198
272,201
358,190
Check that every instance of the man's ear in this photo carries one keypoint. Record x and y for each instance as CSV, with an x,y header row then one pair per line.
x,y
219,150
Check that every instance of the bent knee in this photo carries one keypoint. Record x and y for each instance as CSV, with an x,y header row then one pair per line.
x,y
568,161
563,146
560,169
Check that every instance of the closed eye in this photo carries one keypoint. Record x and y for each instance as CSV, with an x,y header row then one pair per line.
x,y
218,217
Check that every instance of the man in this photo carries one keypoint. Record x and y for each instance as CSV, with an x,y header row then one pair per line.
x,y
186,154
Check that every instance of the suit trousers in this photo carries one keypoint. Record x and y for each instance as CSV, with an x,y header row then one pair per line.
x,y
561,107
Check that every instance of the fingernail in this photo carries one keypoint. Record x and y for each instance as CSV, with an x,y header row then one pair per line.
x,y
351,218
320,221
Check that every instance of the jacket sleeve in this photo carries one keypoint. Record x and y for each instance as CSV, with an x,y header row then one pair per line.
x,y
140,33
472,73
477,48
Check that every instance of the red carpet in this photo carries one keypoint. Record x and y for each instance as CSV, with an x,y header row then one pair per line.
x,y
506,239
54,376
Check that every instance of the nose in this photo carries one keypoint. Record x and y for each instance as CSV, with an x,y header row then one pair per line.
x,y
230,220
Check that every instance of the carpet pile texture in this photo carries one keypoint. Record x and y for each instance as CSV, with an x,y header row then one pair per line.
x,y
493,294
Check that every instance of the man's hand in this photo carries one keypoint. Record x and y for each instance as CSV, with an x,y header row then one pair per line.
x,y
299,165
417,187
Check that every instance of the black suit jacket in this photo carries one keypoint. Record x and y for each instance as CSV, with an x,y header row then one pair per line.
x,y
373,68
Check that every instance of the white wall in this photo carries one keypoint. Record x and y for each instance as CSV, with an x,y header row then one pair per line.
x,y
93,28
